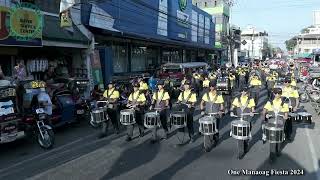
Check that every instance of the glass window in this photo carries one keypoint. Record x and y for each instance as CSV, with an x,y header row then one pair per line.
x,y
120,59
138,60
52,6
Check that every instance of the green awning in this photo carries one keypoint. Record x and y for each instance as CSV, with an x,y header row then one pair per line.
x,y
53,32
302,55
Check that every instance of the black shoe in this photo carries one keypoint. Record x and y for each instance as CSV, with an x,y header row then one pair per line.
x,y
166,135
191,140
102,136
263,141
141,134
128,139
117,131
153,141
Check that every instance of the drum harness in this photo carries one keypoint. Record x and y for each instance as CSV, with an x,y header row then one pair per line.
x,y
109,96
276,112
212,102
184,101
135,100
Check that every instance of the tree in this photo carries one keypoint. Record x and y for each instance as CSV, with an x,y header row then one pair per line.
x,y
291,43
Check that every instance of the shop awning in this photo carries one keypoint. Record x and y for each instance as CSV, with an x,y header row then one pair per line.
x,y
54,35
303,56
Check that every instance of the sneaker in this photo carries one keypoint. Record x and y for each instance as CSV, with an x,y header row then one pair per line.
x,y
128,139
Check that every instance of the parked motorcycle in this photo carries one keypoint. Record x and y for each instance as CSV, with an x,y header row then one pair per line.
x,y
45,134
12,126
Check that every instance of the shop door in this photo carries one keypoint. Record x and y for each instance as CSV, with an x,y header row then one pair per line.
x,y
5,63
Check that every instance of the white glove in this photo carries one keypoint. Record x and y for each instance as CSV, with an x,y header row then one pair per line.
x,y
231,114
202,113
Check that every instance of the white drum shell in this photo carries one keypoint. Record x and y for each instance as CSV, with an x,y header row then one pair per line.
x,y
152,120
242,127
178,120
208,125
127,117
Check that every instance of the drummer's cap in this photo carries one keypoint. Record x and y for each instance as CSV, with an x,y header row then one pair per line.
x,y
160,82
136,84
111,82
277,91
244,89
287,80
212,84
187,83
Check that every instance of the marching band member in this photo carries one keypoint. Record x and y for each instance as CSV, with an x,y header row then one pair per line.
x,y
205,84
292,95
244,104
255,85
271,81
160,100
212,76
188,99
212,102
242,78
112,95
136,100
232,79
197,79
143,85
269,112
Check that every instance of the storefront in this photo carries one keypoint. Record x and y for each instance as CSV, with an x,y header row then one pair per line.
x,y
145,36
39,44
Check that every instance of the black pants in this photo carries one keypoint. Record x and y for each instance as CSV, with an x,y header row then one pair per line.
x,y
139,121
288,128
114,118
190,121
255,96
163,119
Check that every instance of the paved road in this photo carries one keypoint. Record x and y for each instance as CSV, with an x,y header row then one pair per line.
x,y
80,155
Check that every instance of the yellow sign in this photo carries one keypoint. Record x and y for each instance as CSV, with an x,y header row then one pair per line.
x,y
26,21
65,19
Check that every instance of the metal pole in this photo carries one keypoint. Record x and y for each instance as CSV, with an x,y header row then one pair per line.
x,y
252,43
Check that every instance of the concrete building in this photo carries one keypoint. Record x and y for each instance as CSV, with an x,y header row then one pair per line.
x,y
221,11
309,40
254,43
316,18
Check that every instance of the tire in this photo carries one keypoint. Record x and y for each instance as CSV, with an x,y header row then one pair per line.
x,y
48,141
240,149
208,142
304,98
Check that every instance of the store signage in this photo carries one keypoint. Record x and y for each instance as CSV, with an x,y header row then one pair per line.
x,y
183,4
25,21
21,25
65,19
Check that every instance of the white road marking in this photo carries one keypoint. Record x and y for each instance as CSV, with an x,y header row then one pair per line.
x,y
313,153
46,153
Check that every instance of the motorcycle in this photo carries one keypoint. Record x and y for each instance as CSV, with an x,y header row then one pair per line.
x,y
45,134
12,126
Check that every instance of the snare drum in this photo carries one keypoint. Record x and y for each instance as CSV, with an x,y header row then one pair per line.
x,y
274,133
208,125
98,115
240,130
127,117
305,117
178,119
152,120
294,117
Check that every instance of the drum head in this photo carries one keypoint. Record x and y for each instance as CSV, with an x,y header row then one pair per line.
x,y
178,114
240,123
304,114
274,126
97,110
206,119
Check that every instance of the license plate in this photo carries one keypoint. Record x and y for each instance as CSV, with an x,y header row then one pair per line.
x,y
80,111
5,138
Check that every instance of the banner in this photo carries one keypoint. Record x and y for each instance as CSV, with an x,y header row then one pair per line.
x,y
65,17
21,25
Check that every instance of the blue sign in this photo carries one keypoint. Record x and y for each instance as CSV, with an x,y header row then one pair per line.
x,y
179,24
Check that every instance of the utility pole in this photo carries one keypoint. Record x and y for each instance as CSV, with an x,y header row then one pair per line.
x,y
252,45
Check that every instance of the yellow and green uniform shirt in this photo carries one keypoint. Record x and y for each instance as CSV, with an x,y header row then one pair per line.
x,y
206,83
160,94
111,93
143,86
243,101
186,93
218,98
139,97
277,104
255,82
289,92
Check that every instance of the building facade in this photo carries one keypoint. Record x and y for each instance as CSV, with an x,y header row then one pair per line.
x,y
254,43
309,40
133,37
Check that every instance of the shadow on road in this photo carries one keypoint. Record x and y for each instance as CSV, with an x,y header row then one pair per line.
x,y
189,157
133,158
284,162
